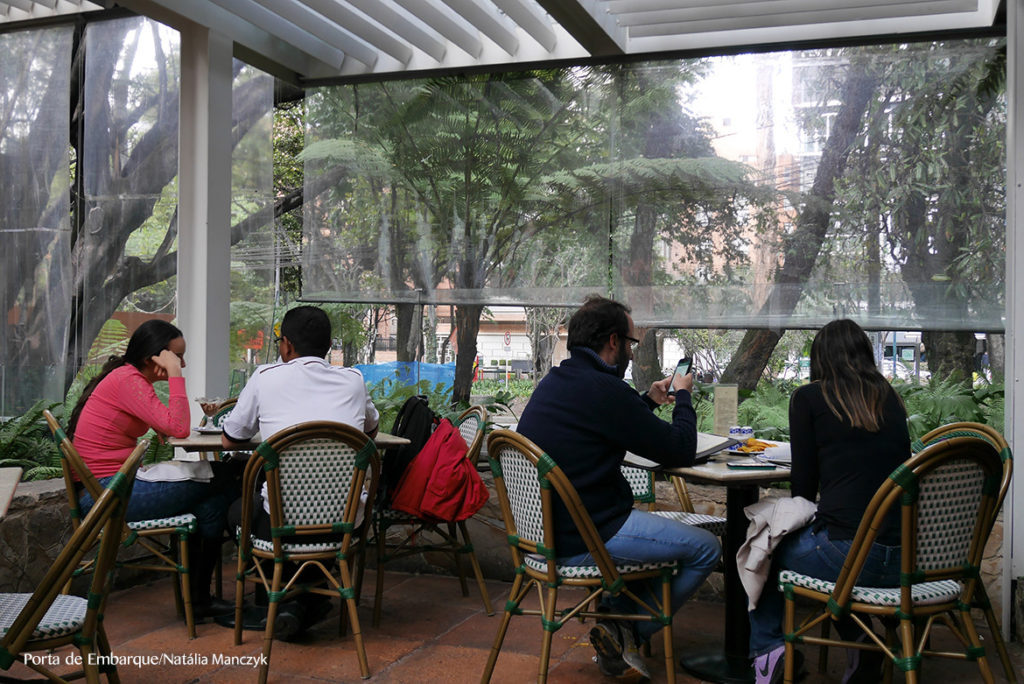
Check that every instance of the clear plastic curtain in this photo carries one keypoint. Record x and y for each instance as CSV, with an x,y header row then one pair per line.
x,y
35,226
778,189
126,247
260,250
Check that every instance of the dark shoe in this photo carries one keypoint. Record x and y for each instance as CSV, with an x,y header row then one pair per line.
x,y
289,622
315,609
863,667
616,652
212,609
253,618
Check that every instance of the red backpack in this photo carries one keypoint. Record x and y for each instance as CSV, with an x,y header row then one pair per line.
x,y
441,484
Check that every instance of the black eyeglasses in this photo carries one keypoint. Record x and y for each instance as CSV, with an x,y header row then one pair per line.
x,y
633,342
277,340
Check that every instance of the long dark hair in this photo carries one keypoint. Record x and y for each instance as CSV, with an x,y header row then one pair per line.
x,y
843,363
148,340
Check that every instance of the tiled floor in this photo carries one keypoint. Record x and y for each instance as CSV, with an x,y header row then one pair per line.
x,y
429,633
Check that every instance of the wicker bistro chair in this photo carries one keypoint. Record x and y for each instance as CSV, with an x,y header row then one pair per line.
x,y
47,619
981,600
164,540
642,483
527,480
443,537
947,495
315,473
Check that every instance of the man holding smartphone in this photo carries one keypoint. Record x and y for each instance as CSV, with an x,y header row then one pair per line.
x,y
585,417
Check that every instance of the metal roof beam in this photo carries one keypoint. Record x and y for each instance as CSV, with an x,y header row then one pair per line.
x,y
274,25
489,23
588,23
447,23
401,25
358,24
537,26
319,26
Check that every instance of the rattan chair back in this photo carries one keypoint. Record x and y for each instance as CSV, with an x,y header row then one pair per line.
x,y
641,483
165,540
527,482
471,423
946,495
315,474
46,619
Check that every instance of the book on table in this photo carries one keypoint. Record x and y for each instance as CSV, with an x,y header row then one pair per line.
x,y
707,444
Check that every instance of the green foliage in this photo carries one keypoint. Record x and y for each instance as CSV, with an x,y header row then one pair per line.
x,y
25,442
389,395
767,411
943,401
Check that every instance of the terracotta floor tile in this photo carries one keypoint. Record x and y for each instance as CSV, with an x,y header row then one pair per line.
x,y
429,633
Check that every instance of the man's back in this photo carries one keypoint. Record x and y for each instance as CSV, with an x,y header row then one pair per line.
x,y
281,395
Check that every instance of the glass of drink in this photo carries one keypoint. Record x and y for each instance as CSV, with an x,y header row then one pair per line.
x,y
209,405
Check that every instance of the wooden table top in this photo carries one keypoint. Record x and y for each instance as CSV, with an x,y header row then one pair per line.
x,y
207,441
717,471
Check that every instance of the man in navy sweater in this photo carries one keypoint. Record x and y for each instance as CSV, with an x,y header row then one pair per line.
x,y
585,417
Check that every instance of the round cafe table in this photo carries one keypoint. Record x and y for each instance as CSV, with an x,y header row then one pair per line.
x,y
731,664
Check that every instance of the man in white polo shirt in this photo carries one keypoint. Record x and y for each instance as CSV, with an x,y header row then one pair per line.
x,y
301,387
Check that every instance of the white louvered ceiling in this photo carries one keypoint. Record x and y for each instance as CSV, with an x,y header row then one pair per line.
x,y
318,39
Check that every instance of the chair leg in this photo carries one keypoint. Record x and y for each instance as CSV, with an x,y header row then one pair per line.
x,y
666,609
185,591
468,544
826,629
268,633
975,641
981,598
506,617
907,648
789,627
353,618
460,568
545,646
382,529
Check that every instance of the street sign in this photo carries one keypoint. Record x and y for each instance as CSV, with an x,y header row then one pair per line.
x,y
508,338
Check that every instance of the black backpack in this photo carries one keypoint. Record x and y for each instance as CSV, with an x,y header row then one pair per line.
x,y
415,421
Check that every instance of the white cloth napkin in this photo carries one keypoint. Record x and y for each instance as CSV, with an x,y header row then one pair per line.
x,y
777,454
176,471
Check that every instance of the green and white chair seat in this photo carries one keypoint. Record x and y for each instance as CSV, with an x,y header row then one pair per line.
x,y
268,546
539,563
66,615
926,593
188,521
712,523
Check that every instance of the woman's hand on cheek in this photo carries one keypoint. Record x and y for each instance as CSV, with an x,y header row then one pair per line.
x,y
168,365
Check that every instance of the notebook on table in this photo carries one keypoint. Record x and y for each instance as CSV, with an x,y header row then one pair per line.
x,y
708,444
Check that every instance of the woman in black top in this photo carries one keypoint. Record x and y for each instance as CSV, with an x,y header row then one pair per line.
x,y
848,432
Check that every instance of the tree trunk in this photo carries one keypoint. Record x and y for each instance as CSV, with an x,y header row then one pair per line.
x,y
467,321
804,244
405,340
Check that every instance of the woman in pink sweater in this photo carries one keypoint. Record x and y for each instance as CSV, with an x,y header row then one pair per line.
x,y
116,408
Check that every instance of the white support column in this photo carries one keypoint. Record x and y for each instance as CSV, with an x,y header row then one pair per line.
x,y
204,202
1013,508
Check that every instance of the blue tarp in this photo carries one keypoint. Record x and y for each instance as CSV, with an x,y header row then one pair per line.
x,y
409,372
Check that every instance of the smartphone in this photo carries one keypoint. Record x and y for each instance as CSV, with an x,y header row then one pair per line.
x,y
682,368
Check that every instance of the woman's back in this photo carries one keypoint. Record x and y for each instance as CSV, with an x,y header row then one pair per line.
x,y
843,464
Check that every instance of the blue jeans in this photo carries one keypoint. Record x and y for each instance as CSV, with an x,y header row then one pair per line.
x,y
648,538
164,499
810,552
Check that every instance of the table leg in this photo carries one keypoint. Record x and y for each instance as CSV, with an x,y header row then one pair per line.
x,y
731,665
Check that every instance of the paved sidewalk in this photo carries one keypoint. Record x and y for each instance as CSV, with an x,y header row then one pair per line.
x,y
429,633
